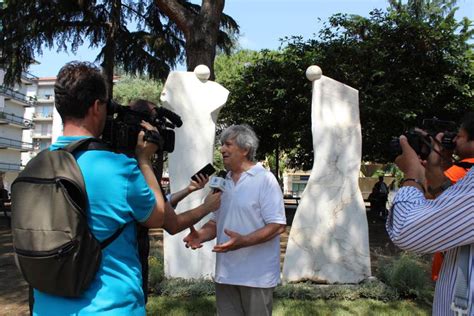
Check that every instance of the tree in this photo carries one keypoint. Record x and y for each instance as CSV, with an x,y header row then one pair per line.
x,y
406,64
132,88
153,48
271,94
203,27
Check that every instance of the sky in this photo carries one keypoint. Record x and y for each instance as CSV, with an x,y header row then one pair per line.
x,y
262,24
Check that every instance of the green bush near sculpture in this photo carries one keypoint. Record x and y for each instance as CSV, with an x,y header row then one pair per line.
x,y
409,276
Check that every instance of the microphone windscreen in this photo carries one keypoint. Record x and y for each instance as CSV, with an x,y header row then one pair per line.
x,y
218,183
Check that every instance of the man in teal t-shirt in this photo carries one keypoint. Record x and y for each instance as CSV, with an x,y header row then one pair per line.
x,y
121,191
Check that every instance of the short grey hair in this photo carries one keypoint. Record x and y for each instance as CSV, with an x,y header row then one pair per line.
x,y
244,138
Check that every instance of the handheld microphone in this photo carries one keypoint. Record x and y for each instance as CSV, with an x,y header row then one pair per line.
x,y
218,183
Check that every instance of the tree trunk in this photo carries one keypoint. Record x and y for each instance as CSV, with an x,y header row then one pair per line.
x,y
109,49
277,162
200,31
200,51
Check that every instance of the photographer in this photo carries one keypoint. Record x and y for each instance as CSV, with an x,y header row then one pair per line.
x,y
443,224
120,192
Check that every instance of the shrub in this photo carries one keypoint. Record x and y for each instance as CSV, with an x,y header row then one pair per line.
x,y
156,272
308,291
407,275
187,288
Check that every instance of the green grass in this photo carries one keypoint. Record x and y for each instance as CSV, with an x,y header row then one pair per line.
x,y
203,306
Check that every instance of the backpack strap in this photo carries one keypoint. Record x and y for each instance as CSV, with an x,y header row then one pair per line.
x,y
464,164
109,240
92,143
89,143
460,303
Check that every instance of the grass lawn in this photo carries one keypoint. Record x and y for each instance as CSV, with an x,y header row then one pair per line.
x,y
172,306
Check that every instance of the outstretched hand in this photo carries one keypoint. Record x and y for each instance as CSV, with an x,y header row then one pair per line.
x,y
192,240
200,182
235,242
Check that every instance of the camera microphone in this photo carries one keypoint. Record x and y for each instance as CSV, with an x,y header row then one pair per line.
x,y
218,183
173,117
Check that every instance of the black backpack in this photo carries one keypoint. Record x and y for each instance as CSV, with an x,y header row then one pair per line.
x,y
54,247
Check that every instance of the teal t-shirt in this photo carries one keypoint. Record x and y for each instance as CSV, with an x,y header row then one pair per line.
x,y
118,195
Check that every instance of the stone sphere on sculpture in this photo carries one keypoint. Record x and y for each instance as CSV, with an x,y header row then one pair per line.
x,y
202,72
313,73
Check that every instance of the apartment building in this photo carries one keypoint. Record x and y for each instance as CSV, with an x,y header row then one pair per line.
x,y
14,100
47,124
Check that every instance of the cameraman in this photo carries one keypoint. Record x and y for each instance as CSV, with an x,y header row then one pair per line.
x,y
443,224
464,149
121,191
175,223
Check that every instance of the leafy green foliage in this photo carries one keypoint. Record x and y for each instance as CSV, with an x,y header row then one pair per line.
x,y
408,64
135,35
187,288
204,306
308,291
131,88
411,62
262,97
408,275
218,162
301,291
156,272
152,48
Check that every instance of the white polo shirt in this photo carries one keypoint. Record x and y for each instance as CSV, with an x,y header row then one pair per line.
x,y
246,206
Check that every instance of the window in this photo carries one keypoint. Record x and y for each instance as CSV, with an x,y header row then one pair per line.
x,y
44,144
43,129
298,188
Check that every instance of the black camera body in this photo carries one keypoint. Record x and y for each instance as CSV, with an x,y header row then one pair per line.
x,y
421,143
123,125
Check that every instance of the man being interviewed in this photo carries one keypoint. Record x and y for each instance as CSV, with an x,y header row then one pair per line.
x,y
247,225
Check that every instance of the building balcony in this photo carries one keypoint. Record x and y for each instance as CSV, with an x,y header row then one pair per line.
x,y
28,78
7,143
42,116
17,97
41,135
10,167
47,98
15,120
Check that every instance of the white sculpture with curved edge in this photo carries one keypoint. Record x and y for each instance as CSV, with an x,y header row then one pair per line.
x,y
198,102
328,241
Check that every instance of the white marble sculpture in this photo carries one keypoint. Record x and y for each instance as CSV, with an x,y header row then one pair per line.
x,y
328,241
198,101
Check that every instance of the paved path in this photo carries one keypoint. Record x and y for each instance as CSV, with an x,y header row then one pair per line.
x,y
13,290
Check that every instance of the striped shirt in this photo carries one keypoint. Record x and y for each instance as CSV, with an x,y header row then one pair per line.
x,y
442,224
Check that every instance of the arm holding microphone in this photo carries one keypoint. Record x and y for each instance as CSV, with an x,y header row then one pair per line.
x,y
175,223
207,232
175,198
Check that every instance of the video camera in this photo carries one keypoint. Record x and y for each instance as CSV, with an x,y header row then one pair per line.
x,y
422,143
123,125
